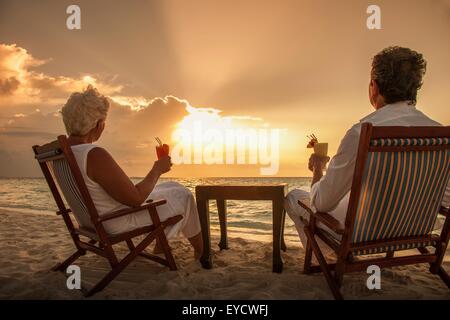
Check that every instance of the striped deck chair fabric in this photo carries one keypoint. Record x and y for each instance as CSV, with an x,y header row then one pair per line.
x,y
67,185
401,193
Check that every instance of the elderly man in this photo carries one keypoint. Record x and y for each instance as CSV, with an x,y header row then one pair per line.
x,y
396,77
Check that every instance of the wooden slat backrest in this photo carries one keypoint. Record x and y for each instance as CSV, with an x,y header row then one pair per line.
x,y
61,170
400,177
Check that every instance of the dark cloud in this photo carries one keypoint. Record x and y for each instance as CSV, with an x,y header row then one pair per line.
x,y
8,86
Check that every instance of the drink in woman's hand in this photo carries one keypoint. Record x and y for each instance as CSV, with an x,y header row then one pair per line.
x,y
162,150
321,149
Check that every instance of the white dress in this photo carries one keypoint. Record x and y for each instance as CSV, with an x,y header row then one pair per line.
x,y
180,201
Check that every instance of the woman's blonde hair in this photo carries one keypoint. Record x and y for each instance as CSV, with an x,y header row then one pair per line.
x,y
83,110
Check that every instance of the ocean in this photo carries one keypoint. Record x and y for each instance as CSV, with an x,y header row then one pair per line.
x,y
246,219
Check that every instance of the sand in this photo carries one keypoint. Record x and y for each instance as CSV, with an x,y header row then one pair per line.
x,y
32,243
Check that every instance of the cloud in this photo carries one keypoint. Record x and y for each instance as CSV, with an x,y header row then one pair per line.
x,y
14,60
129,135
136,103
8,86
132,123
19,77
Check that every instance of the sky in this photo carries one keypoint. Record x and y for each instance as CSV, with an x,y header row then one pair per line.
x,y
295,66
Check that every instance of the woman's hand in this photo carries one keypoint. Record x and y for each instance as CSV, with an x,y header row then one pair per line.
x,y
162,165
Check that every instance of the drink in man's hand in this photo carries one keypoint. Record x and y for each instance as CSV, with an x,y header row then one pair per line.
x,y
321,149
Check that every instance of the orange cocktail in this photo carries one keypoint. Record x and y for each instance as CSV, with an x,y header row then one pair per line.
x,y
162,149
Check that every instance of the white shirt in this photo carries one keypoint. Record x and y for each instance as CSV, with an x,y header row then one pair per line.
x,y
327,193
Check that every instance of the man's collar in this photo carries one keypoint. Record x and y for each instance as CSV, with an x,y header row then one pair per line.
x,y
405,105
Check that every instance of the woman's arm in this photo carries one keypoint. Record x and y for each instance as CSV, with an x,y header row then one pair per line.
x,y
104,170
145,187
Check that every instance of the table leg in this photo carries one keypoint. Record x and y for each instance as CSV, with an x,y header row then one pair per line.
x,y
283,244
203,214
222,210
277,218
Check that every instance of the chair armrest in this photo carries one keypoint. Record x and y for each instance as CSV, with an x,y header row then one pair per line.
x,y
330,221
127,211
304,203
324,217
445,211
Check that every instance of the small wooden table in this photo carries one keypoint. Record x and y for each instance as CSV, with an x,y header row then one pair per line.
x,y
222,193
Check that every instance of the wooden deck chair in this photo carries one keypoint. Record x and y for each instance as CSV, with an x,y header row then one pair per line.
x,y
63,175
401,174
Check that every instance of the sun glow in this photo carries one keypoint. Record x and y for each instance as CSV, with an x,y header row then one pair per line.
x,y
210,118
204,136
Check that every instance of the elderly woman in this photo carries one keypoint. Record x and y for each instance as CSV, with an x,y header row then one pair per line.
x,y
84,117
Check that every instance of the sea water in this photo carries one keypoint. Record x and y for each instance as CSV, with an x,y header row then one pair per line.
x,y
246,219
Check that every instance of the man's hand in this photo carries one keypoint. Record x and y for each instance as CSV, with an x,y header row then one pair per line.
x,y
162,165
317,163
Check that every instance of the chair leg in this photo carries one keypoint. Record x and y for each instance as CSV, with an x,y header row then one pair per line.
x,y
308,256
350,258
111,256
444,276
437,269
440,252
148,256
339,273
130,244
324,266
390,254
63,265
106,279
167,251
119,267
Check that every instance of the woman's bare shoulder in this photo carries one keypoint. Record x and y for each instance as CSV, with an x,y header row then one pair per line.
x,y
98,153
100,160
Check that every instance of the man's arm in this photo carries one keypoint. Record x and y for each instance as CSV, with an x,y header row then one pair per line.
x,y
317,175
328,190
